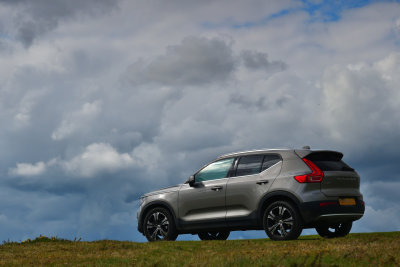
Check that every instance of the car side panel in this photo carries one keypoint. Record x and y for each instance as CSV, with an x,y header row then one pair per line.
x,y
244,192
200,202
292,165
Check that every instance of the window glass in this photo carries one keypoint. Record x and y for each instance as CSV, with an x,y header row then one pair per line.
x,y
329,161
270,160
215,170
249,165
330,165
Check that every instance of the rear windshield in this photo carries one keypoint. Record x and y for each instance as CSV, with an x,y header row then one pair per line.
x,y
329,161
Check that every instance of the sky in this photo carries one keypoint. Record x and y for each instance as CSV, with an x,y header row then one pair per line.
x,y
103,101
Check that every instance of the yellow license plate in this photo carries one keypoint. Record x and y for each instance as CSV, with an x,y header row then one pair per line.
x,y
347,201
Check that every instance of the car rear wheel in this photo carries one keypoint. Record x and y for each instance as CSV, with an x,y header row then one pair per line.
x,y
334,230
159,225
282,221
214,235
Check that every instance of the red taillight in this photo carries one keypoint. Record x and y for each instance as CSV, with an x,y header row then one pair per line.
x,y
315,176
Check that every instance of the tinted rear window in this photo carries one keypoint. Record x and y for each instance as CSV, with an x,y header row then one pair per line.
x,y
254,164
329,161
270,160
249,165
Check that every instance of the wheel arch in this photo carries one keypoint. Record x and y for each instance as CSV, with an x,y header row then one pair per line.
x,y
277,196
152,205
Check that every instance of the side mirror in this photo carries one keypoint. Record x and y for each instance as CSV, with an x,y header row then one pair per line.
x,y
191,180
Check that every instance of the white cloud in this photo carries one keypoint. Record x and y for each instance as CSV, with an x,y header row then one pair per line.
x,y
28,102
77,121
380,219
33,169
360,103
147,155
98,158
28,169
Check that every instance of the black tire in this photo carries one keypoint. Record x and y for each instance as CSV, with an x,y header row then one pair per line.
x,y
159,225
282,221
214,235
334,230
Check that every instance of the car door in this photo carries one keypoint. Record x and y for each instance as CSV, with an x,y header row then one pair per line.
x,y
203,204
252,179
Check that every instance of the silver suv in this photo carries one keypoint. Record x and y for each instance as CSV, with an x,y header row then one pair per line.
x,y
281,191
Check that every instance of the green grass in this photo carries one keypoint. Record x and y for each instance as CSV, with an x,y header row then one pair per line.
x,y
372,249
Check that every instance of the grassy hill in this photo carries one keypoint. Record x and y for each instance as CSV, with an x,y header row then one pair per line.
x,y
372,249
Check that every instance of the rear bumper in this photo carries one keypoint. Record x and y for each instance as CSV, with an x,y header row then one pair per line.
x,y
314,213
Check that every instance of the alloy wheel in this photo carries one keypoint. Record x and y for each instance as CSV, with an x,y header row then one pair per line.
x,y
157,226
280,221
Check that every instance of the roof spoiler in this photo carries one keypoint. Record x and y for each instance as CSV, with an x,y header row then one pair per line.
x,y
302,153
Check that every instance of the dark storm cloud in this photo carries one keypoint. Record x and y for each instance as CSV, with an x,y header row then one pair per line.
x,y
12,2
199,61
49,184
255,60
68,215
195,61
382,193
34,18
247,103
382,209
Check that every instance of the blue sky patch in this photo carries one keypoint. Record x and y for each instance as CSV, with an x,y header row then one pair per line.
x,y
326,10
319,10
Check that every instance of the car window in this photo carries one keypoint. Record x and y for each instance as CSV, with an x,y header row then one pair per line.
x,y
216,170
249,165
329,161
269,160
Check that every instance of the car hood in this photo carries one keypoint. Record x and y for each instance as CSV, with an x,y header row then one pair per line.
x,y
164,190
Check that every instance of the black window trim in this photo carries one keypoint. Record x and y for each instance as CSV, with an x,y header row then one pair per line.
x,y
232,174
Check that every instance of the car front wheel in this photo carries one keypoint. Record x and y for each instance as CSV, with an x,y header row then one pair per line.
x,y
215,235
159,225
334,230
282,221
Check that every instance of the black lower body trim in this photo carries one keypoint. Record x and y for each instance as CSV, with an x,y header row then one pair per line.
x,y
314,212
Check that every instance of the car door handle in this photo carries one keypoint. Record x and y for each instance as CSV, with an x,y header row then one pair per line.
x,y
262,182
216,188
